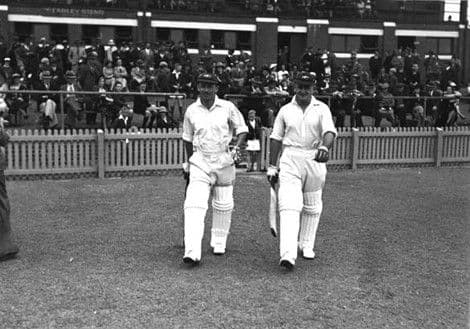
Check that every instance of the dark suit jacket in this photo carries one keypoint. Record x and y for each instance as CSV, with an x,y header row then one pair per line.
x,y
254,133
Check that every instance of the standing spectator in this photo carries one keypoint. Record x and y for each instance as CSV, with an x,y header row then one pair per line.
x,y
73,103
46,103
375,64
432,104
8,248
74,56
138,75
6,71
17,102
385,105
253,140
147,55
230,58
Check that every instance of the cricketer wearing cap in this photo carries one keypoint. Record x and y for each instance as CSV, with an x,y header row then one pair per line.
x,y
207,131
305,131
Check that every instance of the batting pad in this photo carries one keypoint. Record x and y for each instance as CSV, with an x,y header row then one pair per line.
x,y
310,219
222,205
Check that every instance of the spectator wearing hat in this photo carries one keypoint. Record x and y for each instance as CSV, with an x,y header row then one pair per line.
x,y
385,105
432,91
449,111
47,104
73,103
124,119
163,77
164,121
230,58
350,99
238,76
143,107
17,102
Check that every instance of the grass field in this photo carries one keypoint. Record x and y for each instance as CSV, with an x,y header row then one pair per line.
x,y
392,252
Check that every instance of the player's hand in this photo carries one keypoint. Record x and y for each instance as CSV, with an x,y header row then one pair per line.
x,y
322,154
272,175
186,171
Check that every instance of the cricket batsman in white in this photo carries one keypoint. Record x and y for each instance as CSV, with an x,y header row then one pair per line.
x,y
305,131
208,128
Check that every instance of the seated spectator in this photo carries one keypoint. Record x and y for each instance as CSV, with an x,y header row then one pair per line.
x,y
124,119
143,107
120,73
138,75
272,88
108,74
402,105
417,107
163,120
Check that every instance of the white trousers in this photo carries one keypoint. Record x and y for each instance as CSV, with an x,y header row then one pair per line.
x,y
196,204
301,180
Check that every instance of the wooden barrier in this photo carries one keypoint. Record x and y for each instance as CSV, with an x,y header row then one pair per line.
x,y
100,153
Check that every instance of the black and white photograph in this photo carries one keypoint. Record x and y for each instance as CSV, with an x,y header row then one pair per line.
x,y
235,164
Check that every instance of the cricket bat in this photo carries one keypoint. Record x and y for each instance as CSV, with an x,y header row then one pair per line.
x,y
273,210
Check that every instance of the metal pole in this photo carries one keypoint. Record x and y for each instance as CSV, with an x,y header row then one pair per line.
x,y
62,111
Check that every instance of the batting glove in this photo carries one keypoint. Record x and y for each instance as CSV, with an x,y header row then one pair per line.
x,y
322,154
186,171
272,175
236,154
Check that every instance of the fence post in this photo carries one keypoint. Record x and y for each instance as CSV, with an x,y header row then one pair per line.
x,y
62,118
100,147
262,157
355,148
439,146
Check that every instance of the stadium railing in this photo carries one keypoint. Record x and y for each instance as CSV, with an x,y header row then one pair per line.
x,y
106,153
60,96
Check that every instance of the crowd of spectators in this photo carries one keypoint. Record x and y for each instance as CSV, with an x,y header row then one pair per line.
x,y
304,8
391,88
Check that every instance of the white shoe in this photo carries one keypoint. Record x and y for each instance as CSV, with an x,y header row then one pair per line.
x,y
308,253
218,250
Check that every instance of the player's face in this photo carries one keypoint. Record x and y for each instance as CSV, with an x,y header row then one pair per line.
x,y
303,92
206,90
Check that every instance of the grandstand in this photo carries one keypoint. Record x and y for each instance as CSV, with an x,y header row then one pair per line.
x,y
258,26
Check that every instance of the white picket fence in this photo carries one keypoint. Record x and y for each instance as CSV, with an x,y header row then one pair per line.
x,y
104,153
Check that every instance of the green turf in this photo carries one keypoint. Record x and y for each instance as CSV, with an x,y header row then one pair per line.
x,y
392,252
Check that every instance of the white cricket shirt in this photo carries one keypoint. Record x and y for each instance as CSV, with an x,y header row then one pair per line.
x,y
211,130
303,129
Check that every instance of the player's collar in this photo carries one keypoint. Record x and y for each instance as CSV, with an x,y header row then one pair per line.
x,y
217,102
294,101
